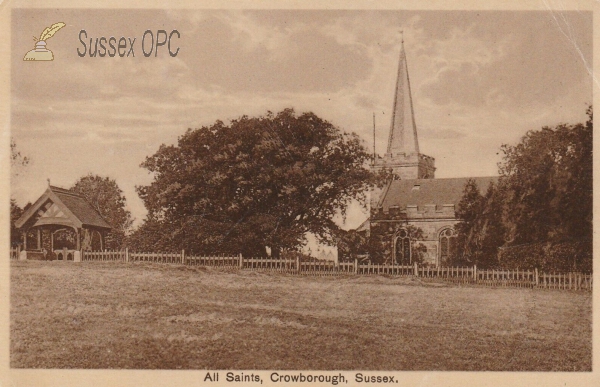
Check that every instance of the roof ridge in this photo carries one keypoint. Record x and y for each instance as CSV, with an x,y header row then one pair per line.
x,y
64,191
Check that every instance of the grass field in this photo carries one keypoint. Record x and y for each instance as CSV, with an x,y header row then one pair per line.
x,y
116,315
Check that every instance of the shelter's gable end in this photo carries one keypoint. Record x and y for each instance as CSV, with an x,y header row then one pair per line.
x,y
63,207
52,213
30,213
51,210
48,209
82,210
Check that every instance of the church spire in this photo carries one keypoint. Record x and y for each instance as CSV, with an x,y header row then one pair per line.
x,y
403,130
403,156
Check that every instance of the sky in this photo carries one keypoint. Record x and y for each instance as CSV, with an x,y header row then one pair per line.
x,y
479,79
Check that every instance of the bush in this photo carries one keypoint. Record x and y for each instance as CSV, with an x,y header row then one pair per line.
x,y
560,257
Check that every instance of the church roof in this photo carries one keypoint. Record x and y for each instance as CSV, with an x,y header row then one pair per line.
x,y
60,206
420,192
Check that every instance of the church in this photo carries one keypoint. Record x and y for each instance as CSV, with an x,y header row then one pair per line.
x,y
412,218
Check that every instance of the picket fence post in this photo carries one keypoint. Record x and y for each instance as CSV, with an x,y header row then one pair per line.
x,y
241,261
183,256
537,278
298,264
355,265
475,272
416,269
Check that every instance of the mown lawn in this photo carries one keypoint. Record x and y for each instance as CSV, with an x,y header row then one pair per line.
x,y
117,315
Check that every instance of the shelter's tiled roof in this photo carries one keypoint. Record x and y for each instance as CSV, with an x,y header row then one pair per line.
x,y
420,192
80,207
77,211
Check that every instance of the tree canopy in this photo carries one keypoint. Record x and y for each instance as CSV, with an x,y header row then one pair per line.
x,y
256,182
107,198
542,203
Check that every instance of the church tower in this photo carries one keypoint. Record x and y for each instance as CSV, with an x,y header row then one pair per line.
x,y
402,155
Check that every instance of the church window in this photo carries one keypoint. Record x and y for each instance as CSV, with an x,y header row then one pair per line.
x,y
402,248
447,244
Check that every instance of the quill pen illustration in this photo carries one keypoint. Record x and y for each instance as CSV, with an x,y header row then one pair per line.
x,y
50,31
40,52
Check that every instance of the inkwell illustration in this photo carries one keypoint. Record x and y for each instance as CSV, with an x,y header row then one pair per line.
x,y
40,52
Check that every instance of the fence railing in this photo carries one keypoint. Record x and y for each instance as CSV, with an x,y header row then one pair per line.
x,y
572,281
103,256
398,270
155,257
325,268
461,275
446,272
212,260
283,265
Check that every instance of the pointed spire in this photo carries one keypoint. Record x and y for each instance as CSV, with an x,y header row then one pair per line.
x,y
403,130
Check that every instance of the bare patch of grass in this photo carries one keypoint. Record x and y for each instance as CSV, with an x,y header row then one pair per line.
x,y
116,315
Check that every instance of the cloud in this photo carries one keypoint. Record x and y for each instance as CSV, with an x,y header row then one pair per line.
x,y
447,66
478,80
253,35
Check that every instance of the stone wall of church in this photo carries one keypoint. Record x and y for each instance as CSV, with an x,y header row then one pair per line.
x,y
425,232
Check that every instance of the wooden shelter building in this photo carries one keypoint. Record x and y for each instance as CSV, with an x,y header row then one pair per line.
x,y
59,225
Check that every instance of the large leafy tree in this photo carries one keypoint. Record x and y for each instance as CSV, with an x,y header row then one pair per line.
x,y
548,181
107,198
540,212
480,231
351,244
263,181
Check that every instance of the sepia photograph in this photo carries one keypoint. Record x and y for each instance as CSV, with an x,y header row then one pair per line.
x,y
328,195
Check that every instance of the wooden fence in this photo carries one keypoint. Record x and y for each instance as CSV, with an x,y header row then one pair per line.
x,y
155,257
397,270
571,281
285,265
460,275
103,255
212,260
325,268
513,278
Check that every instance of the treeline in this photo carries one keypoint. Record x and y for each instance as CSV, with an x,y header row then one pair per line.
x,y
258,185
539,213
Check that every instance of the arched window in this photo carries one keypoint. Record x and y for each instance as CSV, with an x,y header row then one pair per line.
x,y
402,248
447,244
64,238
